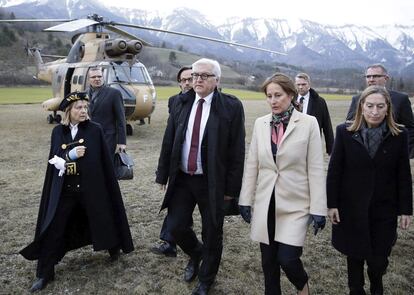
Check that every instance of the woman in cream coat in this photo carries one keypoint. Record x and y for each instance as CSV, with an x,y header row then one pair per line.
x,y
284,182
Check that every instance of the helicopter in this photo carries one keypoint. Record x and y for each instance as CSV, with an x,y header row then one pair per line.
x,y
117,57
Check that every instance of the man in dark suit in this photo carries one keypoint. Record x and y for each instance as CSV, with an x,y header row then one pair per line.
x,y
202,159
313,104
377,74
107,108
168,247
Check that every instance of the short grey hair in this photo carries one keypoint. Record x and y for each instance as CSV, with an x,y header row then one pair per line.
x,y
206,61
381,66
303,76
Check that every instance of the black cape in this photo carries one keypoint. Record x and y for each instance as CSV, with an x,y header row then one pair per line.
x,y
100,191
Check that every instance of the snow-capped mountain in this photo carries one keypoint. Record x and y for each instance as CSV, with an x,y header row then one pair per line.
x,y
306,43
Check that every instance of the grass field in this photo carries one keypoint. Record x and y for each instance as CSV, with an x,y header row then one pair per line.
x,y
24,145
19,95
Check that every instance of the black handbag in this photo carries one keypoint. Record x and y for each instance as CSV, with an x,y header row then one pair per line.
x,y
123,166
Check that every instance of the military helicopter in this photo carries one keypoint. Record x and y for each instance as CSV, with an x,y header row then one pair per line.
x,y
117,57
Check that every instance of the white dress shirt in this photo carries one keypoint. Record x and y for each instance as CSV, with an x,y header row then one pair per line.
x,y
73,130
187,142
305,102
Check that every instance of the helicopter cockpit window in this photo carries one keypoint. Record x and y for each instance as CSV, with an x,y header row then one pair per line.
x,y
124,73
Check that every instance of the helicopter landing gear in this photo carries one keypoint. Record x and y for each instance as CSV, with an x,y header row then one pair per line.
x,y
129,129
54,118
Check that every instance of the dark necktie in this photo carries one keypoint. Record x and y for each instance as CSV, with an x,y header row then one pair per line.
x,y
301,103
192,156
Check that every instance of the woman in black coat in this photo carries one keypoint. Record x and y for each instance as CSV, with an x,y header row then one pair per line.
x,y
81,202
368,186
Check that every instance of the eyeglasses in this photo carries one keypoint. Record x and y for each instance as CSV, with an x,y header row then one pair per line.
x,y
203,76
184,80
373,76
95,77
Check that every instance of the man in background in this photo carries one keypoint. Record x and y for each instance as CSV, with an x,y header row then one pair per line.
x,y
106,107
168,246
312,104
377,74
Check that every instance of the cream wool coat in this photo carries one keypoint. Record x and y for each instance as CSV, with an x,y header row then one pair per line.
x,y
298,177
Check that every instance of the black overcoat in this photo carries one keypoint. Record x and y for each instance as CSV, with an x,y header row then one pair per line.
x,y
108,110
318,108
100,191
369,193
222,148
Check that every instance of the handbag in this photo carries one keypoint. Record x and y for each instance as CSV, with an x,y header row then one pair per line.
x,y
123,166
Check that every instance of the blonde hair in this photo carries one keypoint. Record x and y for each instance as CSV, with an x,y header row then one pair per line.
x,y
66,116
389,117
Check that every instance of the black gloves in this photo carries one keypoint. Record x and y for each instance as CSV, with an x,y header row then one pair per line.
x,y
318,222
246,213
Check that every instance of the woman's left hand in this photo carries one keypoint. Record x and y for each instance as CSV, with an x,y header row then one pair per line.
x,y
405,221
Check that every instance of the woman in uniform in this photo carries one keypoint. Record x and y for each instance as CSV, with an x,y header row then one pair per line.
x,y
81,203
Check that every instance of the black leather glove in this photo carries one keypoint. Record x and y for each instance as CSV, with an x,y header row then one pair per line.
x,y
246,213
318,223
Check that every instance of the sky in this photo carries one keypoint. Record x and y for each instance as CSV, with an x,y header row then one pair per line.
x,y
334,12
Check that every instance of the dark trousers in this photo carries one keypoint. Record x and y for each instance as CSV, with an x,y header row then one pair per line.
x,y
190,191
277,255
165,233
377,265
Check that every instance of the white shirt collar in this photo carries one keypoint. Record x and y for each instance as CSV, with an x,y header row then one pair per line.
x,y
305,97
207,99
73,129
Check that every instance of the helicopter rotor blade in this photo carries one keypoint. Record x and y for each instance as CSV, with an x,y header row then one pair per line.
x,y
126,34
196,36
31,20
73,25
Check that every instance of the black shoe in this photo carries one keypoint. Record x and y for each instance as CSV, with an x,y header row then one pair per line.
x,y
360,291
40,284
191,270
377,289
165,248
201,289
114,253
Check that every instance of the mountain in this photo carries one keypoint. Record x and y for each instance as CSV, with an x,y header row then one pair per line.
x,y
306,43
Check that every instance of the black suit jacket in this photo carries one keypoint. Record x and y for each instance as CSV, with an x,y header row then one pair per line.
x,y
318,108
222,148
108,110
172,100
402,111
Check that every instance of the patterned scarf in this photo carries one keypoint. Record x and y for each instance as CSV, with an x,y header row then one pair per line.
x,y
373,137
278,123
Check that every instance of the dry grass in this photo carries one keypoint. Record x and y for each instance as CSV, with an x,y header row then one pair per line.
x,y
25,139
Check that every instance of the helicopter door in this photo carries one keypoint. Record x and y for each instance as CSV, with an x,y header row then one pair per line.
x,y
68,80
78,79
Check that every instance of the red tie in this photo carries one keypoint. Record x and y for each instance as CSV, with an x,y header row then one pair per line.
x,y
192,156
